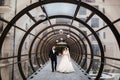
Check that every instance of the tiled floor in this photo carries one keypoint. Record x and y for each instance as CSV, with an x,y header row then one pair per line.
x,y
46,74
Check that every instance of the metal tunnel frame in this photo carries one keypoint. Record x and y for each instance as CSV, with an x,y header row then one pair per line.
x,y
79,4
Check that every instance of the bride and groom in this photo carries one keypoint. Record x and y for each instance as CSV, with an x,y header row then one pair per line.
x,y
65,64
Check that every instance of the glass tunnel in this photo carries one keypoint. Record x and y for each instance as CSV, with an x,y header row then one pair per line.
x,y
28,33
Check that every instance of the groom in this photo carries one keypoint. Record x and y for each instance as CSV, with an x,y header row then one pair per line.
x,y
53,57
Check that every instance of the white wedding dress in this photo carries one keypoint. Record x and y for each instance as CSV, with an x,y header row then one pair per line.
x,y
65,63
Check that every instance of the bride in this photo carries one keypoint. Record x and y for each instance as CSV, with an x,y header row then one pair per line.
x,y
65,63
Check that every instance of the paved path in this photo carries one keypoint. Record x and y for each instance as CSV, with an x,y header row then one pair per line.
x,y
46,74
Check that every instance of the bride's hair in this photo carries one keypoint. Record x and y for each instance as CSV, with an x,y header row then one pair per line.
x,y
66,48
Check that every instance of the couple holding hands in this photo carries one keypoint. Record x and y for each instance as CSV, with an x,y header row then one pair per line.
x,y
65,64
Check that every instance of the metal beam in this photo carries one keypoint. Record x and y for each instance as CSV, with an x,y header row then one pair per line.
x,y
90,16
31,16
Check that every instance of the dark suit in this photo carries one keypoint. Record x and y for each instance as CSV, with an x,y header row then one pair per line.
x,y
53,56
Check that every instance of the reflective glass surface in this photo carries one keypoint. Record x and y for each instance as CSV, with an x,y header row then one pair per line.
x,y
60,9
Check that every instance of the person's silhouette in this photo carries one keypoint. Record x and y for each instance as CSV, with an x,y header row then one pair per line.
x,y
53,57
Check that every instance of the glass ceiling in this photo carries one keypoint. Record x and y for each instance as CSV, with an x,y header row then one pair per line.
x,y
60,9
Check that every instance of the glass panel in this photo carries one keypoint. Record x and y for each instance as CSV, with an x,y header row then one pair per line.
x,y
37,14
95,22
60,9
1,23
110,45
88,0
63,21
82,11
1,26
111,68
27,23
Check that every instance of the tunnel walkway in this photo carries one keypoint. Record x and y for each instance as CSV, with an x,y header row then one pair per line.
x,y
46,74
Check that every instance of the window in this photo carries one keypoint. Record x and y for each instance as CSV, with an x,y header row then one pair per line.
x,y
82,11
95,48
104,48
26,26
104,10
88,0
1,2
95,22
104,35
1,24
